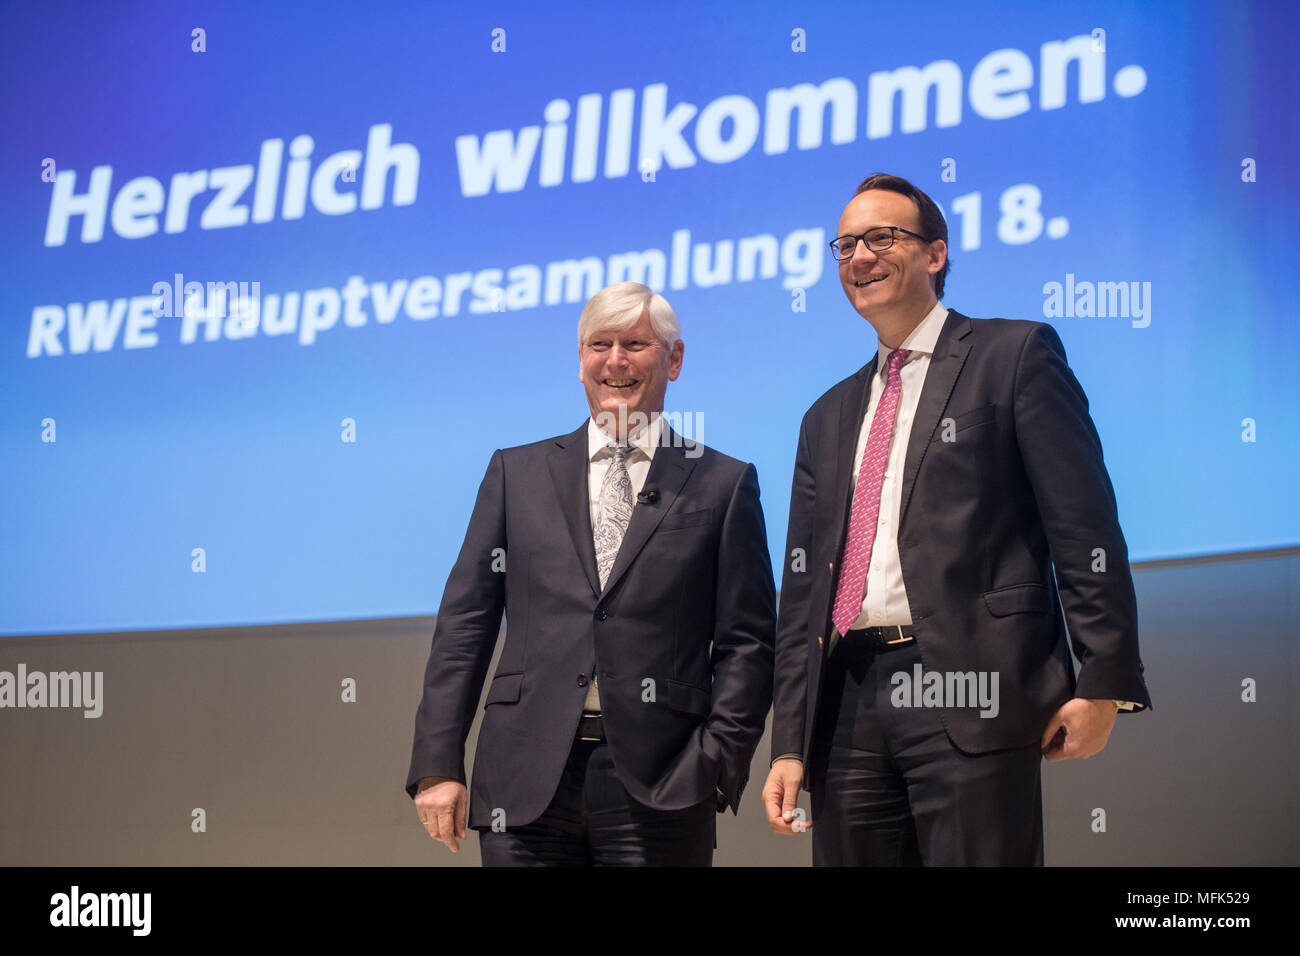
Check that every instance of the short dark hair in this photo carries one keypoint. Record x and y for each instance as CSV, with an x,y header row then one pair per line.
x,y
933,225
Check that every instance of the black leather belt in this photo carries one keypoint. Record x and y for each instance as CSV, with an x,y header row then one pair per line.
x,y
591,726
885,638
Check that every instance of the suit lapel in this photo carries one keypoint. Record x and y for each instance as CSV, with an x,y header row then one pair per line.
x,y
847,429
945,365
669,470
568,463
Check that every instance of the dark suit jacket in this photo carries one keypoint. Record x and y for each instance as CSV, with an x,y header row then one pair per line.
x,y
1020,486
681,636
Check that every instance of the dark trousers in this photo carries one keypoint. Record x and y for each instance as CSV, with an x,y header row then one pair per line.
x,y
593,821
890,789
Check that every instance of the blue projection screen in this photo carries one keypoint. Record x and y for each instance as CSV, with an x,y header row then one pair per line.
x,y
280,277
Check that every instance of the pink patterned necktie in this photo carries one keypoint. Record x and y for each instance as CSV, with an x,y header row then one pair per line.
x,y
866,500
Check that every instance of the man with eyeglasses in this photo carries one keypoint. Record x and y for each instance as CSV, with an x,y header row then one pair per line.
x,y
922,663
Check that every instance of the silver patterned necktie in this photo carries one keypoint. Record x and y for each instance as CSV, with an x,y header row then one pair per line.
x,y
614,511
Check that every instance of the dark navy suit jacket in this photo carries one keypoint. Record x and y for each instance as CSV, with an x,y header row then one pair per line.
x,y
681,635
1019,489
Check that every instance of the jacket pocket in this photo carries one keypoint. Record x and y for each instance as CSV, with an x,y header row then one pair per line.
x,y
688,520
976,416
504,689
686,697
1018,599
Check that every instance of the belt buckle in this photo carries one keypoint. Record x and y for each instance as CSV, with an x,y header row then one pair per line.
x,y
586,717
901,639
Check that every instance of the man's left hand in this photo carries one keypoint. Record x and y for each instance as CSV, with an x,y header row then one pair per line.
x,y
1079,729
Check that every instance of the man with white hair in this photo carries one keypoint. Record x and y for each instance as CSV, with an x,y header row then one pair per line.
x,y
636,671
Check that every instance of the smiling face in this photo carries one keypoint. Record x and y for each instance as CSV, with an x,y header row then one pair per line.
x,y
892,289
627,371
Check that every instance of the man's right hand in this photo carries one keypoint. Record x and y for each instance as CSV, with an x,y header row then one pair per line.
x,y
442,804
780,796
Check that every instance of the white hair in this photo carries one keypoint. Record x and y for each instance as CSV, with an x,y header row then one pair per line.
x,y
621,305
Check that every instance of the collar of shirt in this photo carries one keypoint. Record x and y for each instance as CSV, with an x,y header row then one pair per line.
x,y
921,339
646,440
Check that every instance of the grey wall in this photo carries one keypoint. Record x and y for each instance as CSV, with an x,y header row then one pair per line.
x,y
248,724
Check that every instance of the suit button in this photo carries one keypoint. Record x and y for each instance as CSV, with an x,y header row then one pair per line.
x,y
582,680
601,614
819,642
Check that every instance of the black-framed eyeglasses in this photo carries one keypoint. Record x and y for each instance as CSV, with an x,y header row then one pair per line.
x,y
879,239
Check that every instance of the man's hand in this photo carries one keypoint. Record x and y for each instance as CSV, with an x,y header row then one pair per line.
x,y
781,793
442,804
1079,729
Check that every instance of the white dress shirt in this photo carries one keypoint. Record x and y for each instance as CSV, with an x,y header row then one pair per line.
x,y
884,601
644,443
599,456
